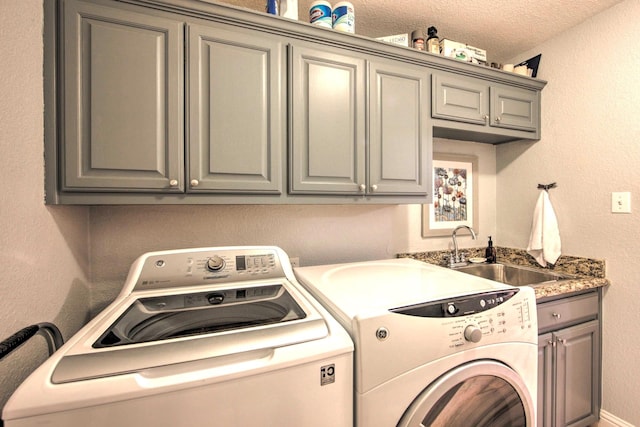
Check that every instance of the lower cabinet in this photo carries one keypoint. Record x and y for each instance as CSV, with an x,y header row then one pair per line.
x,y
569,361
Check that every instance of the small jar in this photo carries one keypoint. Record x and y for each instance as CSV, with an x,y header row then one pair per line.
x,y
417,38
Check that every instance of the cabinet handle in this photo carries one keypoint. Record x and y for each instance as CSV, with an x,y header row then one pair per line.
x,y
374,187
173,183
195,182
498,119
486,117
362,187
556,315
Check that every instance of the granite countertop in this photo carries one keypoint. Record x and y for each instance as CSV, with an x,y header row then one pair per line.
x,y
589,273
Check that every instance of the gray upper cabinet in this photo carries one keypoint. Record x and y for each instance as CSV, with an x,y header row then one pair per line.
x,y
483,107
327,154
459,98
400,148
123,104
514,108
195,102
330,153
236,110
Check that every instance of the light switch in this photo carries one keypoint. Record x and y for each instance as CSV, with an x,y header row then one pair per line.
x,y
621,202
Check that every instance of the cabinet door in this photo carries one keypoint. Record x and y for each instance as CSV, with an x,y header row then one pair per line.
x,y
545,380
456,97
578,375
236,110
123,101
327,119
514,108
399,132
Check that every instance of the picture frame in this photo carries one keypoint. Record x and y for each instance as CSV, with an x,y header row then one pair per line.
x,y
455,195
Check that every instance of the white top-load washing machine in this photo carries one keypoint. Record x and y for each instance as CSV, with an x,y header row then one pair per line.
x,y
221,337
433,346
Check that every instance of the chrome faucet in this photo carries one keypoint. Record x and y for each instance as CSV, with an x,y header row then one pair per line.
x,y
456,260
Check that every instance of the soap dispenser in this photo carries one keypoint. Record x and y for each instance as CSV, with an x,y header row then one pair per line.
x,y
490,252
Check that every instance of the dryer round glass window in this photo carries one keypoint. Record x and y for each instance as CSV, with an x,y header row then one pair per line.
x,y
479,394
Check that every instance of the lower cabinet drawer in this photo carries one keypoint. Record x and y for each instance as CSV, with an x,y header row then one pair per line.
x,y
567,311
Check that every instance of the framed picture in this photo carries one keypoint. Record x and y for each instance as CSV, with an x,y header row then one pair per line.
x,y
455,195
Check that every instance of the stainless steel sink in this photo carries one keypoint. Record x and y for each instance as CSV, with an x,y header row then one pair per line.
x,y
514,275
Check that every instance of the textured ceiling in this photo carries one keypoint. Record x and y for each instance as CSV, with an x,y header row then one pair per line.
x,y
504,28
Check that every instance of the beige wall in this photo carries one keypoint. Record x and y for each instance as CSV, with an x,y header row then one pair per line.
x,y
43,251
590,109
590,147
315,234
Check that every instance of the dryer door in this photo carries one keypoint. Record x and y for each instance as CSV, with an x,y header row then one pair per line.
x,y
479,394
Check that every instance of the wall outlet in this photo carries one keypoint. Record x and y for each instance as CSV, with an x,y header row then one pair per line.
x,y
621,202
295,261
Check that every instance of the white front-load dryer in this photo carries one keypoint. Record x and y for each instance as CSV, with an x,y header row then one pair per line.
x,y
215,337
433,346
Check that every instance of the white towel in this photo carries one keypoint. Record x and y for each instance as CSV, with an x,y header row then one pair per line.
x,y
544,243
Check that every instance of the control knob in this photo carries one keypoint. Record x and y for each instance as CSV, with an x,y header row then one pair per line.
x,y
472,333
215,263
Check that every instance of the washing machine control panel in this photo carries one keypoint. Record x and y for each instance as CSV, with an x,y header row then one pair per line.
x,y
217,265
478,318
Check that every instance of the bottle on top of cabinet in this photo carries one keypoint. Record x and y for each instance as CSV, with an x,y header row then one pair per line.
x,y
289,9
433,41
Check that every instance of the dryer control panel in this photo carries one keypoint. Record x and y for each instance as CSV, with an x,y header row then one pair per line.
x,y
462,306
158,270
488,316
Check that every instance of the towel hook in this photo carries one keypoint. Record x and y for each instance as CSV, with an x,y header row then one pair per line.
x,y
547,187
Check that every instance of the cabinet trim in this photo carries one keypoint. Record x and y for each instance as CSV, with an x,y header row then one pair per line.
x,y
300,30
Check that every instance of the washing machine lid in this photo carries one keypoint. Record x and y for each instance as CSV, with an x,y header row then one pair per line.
x,y
146,331
164,317
369,288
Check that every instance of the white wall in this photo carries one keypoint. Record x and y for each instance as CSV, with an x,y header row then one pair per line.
x,y
590,147
43,251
